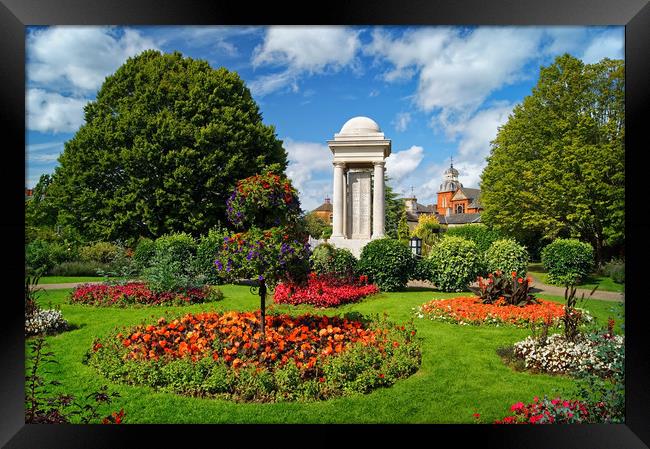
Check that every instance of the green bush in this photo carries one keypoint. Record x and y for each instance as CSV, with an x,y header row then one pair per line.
x,y
615,269
338,262
102,252
43,256
79,268
388,263
144,253
180,247
507,255
567,261
477,233
206,254
421,270
454,262
173,266
322,258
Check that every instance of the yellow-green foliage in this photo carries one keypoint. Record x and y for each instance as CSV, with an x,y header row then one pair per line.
x,y
428,229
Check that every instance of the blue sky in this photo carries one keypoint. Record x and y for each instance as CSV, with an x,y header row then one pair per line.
x,y
436,92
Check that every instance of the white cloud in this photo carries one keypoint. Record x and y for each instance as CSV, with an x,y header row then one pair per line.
x,y
476,133
403,163
78,58
51,112
303,50
44,158
264,85
609,44
456,70
306,160
401,121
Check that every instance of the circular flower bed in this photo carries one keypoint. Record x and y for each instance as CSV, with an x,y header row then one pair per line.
x,y
133,293
596,353
224,355
324,291
471,310
48,321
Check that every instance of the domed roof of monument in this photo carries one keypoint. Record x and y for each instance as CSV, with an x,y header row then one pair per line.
x,y
360,125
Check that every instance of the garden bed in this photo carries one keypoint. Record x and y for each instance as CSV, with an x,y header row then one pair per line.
x,y
324,291
472,311
138,293
307,357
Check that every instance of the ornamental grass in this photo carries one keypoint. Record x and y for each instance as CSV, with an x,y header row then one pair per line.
x,y
138,293
324,291
224,354
471,310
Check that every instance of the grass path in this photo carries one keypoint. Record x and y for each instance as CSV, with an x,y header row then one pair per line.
x,y
460,374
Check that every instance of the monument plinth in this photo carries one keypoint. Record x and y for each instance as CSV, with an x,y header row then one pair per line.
x,y
360,151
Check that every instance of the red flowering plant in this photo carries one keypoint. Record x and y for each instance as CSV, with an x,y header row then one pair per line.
x,y
274,246
138,293
471,310
211,353
324,291
548,411
512,289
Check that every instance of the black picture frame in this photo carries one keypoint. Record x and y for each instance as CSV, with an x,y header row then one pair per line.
x,y
16,14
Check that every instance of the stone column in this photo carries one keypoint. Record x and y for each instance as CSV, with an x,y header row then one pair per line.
x,y
345,203
337,200
378,206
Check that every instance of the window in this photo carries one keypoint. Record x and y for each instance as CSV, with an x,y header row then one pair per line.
x,y
460,209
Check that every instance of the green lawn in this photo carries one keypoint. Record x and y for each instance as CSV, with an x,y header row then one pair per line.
x,y
66,279
604,283
461,373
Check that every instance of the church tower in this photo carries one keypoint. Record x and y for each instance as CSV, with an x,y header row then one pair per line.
x,y
448,187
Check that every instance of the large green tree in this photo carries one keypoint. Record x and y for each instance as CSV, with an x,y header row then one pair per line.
x,y
556,168
160,150
394,206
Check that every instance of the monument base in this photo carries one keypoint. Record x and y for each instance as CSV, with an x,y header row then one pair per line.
x,y
354,245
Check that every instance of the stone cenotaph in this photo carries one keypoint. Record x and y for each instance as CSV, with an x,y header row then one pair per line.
x,y
360,151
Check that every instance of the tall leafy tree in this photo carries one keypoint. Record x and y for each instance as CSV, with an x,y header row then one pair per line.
x,y
393,207
556,168
160,150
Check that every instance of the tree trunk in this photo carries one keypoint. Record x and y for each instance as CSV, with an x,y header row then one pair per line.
x,y
263,307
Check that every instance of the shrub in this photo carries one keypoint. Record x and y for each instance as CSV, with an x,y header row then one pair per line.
x,y
428,229
336,262
102,252
322,258
43,256
304,357
548,411
79,268
615,269
454,262
144,253
206,253
506,255
477,233
173,266
567,261
421,269
387,263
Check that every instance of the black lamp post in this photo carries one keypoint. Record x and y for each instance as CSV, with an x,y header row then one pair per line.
x,y
416,245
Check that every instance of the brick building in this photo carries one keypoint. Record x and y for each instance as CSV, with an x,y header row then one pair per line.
x,y
325,211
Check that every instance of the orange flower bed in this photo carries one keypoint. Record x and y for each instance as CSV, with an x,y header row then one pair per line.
x,y
470,310
235,338
224,354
